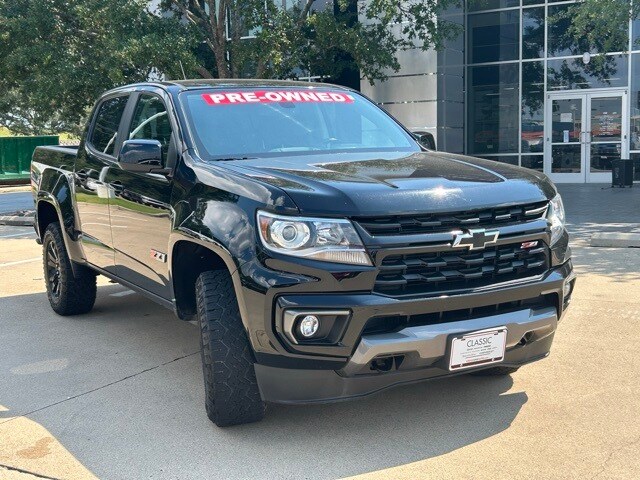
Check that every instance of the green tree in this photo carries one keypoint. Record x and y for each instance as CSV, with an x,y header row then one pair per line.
x,y
282,38
57,56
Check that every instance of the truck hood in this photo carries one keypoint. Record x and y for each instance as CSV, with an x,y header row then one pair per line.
x,y
362,184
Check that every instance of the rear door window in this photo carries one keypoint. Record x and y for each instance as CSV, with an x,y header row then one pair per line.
x,y
105,128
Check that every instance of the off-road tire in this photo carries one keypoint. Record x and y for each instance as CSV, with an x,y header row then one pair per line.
x,y
232,395
71,291
495,371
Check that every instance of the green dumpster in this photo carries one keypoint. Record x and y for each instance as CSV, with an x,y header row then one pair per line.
x,y
15,156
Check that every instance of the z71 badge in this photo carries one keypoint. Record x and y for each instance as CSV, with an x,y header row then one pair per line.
x,y
156,255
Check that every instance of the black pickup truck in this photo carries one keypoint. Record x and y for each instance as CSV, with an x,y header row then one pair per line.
x,y
325,252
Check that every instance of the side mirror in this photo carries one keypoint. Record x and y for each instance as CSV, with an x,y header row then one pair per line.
x,y
426,140
142,156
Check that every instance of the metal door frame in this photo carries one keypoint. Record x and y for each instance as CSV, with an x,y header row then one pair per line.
x,y
585,96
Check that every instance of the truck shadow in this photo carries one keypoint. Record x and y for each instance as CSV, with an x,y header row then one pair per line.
x,y
397,426
135,384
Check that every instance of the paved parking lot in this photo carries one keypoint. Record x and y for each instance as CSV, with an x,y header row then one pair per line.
x,y
117,393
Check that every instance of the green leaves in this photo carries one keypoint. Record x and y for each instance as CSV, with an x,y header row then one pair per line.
x,y
59,55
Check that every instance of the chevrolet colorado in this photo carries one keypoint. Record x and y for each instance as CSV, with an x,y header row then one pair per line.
x,y
324,251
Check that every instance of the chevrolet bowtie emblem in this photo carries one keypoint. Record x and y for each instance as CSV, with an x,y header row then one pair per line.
x,y
475,239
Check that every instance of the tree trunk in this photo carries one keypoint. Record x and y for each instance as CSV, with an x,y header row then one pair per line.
x,y
220,54
204,73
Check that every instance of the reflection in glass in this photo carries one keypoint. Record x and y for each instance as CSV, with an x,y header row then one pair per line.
x,y
606,119
494,36
476,5
600,72
532,107
493,109
534,162
533,33
635,34
562,41
566,120
602,154
636,162
635,103
566,158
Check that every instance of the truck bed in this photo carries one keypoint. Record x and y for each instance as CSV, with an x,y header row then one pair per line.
x,y
62,157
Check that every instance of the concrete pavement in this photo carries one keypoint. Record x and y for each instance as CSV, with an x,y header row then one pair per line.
x,y
117,393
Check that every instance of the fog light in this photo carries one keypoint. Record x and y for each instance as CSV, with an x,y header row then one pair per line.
x,y
309,326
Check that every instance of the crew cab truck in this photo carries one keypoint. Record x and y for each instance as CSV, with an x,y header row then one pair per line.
x,y
325,253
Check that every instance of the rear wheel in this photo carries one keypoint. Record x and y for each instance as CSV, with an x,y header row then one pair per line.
x,y
232,395
69,292
495,371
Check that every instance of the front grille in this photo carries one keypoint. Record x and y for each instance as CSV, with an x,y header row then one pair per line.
x,y
446,222
459,269
394,323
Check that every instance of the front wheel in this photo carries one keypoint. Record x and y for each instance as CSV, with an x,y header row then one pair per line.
x,y
69,293
232,395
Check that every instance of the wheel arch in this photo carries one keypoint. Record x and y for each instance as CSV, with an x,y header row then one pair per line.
x,y
46,213
189,257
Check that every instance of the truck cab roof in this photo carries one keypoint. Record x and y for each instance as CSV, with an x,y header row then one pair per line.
x,y
197,84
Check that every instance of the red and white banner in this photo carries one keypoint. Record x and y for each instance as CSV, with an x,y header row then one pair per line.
x,y
276,96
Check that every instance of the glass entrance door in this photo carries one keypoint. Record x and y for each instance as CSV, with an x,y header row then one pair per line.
x,y
584,132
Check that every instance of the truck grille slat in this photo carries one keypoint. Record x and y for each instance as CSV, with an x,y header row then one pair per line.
x,y
441,271
446,222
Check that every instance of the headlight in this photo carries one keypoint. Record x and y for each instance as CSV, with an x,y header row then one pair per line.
x,y
555,215
318,238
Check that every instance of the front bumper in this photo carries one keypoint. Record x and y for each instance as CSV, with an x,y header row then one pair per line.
x,y
424,352
417,352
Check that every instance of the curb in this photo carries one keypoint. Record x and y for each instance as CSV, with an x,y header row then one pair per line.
x,y
615,240
25,218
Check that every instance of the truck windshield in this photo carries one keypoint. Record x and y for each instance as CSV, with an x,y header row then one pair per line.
x,y
237,123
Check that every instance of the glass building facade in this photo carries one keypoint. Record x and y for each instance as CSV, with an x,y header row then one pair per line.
x,y
531,94
539,98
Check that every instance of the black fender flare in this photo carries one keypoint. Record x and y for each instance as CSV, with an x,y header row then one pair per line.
x,y
59,194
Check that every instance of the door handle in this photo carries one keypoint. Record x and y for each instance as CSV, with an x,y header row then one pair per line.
x,y
117,186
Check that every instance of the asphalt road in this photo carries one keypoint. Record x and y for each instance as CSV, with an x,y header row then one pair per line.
x,y
117,394
13,201
16,232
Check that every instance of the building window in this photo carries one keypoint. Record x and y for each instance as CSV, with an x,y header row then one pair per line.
x,y
602,71
493,112
534,162
562,42
532,107
477,5
494,37
634,111
533,33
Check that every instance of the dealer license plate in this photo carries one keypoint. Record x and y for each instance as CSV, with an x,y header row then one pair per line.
x,y
479,348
